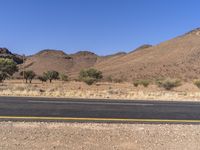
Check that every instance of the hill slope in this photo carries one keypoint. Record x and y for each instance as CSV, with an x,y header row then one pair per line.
x,y
5,53
176,58
57,60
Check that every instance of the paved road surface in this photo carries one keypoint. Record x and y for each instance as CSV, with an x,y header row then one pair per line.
x,y
46,109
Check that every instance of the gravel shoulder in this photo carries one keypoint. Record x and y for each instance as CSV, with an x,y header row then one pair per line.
x,y
90,136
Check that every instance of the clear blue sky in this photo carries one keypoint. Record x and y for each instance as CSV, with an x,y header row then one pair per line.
x,y
102,26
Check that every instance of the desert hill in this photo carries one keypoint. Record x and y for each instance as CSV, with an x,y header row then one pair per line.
x,y
176,58
58,60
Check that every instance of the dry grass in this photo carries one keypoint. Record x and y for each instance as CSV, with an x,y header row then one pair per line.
x,y
187,91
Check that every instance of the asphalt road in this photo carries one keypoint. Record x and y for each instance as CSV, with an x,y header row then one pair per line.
x,y
47,109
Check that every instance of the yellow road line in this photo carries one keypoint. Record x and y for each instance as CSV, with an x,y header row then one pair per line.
x,y
100,119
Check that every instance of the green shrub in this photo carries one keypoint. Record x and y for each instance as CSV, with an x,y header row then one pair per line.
x,y
64,77
42,78
90,76
169,84
197,83
145,83
92,73
109,79
89,81
136,83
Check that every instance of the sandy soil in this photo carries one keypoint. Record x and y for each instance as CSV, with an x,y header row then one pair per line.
x,y
187,92
75,136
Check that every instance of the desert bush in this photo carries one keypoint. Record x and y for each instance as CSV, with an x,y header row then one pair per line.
x,y
92,73
169,84
51,75
117,80
197,83
90,76
3,76
7,68
109,79
64,77
89,81
42,78
28,75
145,83
136,83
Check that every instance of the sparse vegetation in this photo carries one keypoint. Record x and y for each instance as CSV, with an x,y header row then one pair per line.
x,y
197,83
7,68
64,77
51,75
90,76
145,83
42,78
136,83
89,80
169,84
28,75
117,80
109,79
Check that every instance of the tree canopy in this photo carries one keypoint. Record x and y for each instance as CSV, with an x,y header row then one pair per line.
x,y
7,68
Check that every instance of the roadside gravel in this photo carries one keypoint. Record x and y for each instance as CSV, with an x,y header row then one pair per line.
x,y
92,136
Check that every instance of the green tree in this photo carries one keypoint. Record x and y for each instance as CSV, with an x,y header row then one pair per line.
x,y
51,75
7,68
89,76
28,75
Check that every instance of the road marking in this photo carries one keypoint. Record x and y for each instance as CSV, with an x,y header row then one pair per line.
x,y
100,119
92,103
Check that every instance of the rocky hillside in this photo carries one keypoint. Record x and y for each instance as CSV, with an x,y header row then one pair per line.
x,y
57,60
5,53
175,58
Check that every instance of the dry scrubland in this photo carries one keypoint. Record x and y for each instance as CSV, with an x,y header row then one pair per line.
x,y
75,136
187,91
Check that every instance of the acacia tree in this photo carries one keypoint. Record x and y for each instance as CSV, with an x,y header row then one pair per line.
x,y
28,75
7,68
51,75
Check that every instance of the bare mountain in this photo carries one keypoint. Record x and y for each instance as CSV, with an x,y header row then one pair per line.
x,y
58,60
176,58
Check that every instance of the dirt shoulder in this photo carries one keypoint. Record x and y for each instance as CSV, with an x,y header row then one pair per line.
x,y
77,136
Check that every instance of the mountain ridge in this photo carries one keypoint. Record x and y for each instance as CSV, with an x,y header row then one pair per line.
x,y
175,58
